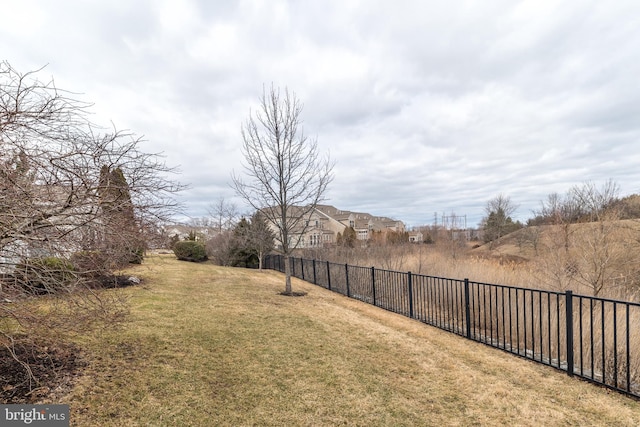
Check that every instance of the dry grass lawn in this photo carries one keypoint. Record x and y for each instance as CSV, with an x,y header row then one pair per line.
x,y
213,346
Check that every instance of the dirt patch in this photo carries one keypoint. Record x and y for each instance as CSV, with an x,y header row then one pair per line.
x,y
52,369
293,294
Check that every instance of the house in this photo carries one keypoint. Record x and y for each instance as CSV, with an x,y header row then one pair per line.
x,y
320,226
416,236
183,231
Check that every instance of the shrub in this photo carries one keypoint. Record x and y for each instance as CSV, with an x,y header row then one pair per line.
x,y
93,266
189,250
137,256
89,262
45,275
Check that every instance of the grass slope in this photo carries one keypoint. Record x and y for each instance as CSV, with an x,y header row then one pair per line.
x,y
207,346
517,245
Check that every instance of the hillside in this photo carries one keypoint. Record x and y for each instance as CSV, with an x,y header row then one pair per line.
x,y
519,244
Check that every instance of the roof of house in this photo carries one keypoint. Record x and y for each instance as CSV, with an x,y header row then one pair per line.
x,y
361,220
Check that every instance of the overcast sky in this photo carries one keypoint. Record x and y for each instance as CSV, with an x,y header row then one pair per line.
x,y
425,106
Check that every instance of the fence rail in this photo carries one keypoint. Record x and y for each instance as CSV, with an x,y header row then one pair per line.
x,y
597,339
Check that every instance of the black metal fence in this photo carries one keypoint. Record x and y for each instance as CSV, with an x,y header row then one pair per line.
x,y
597,339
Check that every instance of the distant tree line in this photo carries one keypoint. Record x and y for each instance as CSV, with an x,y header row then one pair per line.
x,y
580,204
234,243
586,203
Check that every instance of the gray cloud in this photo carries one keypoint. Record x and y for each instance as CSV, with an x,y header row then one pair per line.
x,y
426,107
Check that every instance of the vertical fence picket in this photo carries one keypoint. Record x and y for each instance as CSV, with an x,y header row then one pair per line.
x,y
467,309
615,345
373,284
346,278
410,290
604,343
628,352
569,331
315,281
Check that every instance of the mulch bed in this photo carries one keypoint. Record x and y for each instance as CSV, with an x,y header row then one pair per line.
x,y
54,366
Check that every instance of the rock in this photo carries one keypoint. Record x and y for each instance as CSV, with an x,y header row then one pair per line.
x,y
134,280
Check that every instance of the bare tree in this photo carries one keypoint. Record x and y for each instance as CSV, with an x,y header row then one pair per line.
x,y
68,191
203,222
600,254
597,203
220,248
224,214
224,217
530,235
287,177
560,212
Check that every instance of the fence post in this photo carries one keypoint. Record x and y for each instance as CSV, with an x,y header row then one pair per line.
x,y
467,310
410,286
292,263
314,271
346,271
328,275
569,319
302,267
373,284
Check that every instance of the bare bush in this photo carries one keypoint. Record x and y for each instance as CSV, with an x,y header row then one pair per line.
x,y
70,191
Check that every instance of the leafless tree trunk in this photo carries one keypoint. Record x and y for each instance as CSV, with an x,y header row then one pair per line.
x,y
286,175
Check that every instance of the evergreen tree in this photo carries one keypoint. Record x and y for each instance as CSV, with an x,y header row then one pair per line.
x,y
122,239
498,221
261,237
251,240
348,238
